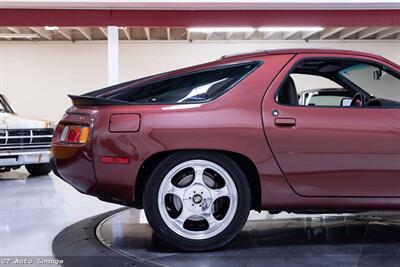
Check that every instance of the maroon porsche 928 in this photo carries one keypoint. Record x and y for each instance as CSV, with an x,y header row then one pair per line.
x,y
288,130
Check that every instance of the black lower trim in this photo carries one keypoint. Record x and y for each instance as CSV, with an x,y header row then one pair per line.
x,y
53,166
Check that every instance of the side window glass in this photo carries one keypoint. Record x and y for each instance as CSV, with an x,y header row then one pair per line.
x,y
335,82
311,90
194,87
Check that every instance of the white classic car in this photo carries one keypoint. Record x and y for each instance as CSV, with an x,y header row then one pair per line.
x,y
23,141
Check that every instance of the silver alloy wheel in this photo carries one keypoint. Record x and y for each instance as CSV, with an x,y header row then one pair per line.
x,y
197,200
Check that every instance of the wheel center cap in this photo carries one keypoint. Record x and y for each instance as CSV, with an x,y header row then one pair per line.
x,y
197,199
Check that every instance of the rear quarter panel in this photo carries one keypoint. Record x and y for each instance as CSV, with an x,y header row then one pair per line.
x,y
231,122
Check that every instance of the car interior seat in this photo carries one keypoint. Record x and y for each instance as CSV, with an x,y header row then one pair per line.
x,y
288,94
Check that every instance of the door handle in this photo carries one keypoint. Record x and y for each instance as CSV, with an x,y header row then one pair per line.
x,y
285,122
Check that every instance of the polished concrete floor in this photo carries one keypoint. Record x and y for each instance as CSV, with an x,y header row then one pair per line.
x,y
34,209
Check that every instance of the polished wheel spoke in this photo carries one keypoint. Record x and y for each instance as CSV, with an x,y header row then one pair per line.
x,y
198,174
181,219
220,192
177,191
212,222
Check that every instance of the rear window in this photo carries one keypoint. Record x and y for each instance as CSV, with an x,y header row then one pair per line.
x,y
192,87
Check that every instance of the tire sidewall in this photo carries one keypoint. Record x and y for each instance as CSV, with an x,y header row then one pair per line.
x,y
160,227
38,169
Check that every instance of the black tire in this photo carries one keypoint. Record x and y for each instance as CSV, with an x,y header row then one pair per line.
x,y
38,169
161,229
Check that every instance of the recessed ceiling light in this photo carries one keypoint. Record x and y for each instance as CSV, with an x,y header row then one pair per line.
x,y
290,29
222,29
51,28
19,36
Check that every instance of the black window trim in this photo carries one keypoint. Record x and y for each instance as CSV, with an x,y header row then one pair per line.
x,y
384,67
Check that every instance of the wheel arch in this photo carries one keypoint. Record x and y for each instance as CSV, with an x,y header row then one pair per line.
x,y
244,162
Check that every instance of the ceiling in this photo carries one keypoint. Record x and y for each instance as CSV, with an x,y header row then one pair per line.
x,y
204,4
173,34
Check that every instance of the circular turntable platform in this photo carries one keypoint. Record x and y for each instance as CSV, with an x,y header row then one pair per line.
x,y
126,239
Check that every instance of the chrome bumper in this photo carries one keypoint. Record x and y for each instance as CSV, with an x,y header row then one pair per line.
x,y
23,157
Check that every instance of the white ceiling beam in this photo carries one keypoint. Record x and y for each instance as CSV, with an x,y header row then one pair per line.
x,y
350,31
369,32
103,31
387,33
229,35
147,33
66,33
42,32
287,35
85,31
208,36
14,29
183,33
266,35
329,32
305,35
249,34
168,34
126,32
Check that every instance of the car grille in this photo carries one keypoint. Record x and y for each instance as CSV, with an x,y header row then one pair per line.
x,y
25,139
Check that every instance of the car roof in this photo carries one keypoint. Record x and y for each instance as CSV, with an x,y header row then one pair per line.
x,y
298,51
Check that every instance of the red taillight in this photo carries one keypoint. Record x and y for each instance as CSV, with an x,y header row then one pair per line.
x,y
74,134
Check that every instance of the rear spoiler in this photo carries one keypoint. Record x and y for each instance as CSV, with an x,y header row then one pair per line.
x,y
102,96
82,100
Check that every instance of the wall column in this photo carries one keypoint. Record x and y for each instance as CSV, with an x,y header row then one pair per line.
x,y
112,54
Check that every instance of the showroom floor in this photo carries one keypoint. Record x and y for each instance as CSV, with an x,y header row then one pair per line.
x,y
34,210
47,205
52,208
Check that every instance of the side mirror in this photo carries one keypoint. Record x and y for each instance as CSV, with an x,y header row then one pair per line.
x,y
346,102
377,74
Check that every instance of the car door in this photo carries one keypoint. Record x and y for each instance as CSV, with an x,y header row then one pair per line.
x,y
334,151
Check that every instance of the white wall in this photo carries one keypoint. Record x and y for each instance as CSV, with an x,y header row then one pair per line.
x,y
37,76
